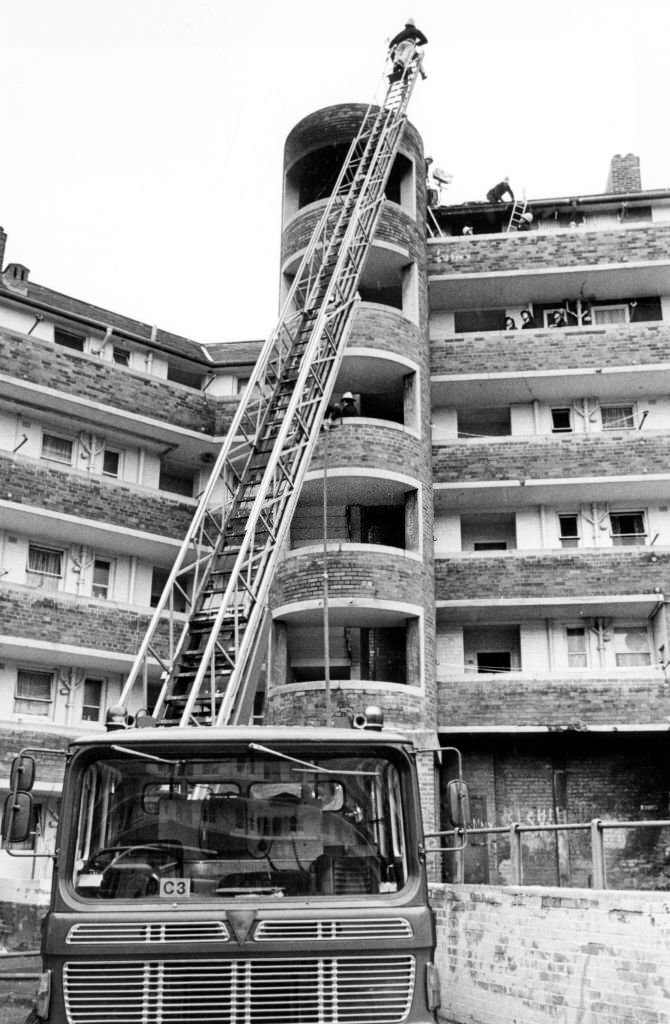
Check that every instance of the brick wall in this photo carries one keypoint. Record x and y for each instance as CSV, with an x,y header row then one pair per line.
x,y
402,710
473,255
374,445
630,344
607,454
375,575
576,702
40,362
57,619
522,956
570,775
624,174
91,497
555,574
49,767
339,123
394,226
380,327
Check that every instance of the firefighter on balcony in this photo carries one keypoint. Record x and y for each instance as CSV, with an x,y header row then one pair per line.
x,y
402,47
348,405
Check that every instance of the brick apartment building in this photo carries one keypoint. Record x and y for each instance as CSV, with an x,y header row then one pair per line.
x,y
498,509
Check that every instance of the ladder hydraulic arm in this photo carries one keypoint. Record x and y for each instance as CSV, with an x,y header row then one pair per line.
x,y
207,626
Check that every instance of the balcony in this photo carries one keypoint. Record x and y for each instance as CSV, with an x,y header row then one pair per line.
x,y
609,581
69,373
510,269
361,578
34,485
575,702
523,366
60,629
579,467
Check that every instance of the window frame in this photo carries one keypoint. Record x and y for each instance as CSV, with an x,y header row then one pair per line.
x,y
119,454
123,353
619,426
641,627
110,577
562,409
629,543
595,310
585,653
55,458
47,702
102,682
576,537
32,546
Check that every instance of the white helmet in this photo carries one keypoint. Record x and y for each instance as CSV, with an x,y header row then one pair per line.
x,y
347,395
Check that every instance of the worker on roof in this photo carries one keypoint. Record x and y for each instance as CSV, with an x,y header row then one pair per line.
x,y
402,47
495,194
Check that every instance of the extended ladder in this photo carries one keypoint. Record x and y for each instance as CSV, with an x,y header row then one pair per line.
x,y
225,565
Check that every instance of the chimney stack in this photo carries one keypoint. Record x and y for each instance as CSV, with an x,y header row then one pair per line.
x,y
624,175
15,277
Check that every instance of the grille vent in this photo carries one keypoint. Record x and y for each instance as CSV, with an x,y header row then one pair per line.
x,y
148,931
312,990
349,928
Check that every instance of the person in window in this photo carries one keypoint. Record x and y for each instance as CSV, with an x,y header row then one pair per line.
x,y
496,194
527,320
348,405
402,47
558,318
510,323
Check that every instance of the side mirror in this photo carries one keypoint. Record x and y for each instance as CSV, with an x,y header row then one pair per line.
x,y
22,776
458,803
17,818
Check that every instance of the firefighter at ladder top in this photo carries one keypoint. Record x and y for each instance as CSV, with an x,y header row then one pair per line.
x,y
402,46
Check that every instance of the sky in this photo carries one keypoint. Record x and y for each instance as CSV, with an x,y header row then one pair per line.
x,y
141,141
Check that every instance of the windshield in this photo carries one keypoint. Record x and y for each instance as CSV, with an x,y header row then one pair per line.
x,y
239,826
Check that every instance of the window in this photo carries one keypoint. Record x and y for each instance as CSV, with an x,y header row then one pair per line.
x,y
45,561
627,528
110,462
577,653
610,314
69,340
57,449
102,571
631,646
489,545
568,526
121,355
617,417
92,700
34,692
242,383
494,661
561,420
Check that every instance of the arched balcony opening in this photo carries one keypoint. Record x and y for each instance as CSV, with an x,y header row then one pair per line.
x,y
313,177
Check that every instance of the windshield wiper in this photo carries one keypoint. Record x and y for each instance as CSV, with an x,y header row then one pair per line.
x,y
308,764
147,757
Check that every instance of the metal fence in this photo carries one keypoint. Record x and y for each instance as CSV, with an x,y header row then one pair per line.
x,y
596,854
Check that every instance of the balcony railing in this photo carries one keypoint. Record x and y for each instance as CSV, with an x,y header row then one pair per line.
x,y
474,254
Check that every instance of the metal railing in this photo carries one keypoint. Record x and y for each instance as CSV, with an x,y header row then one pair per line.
x,y
514,835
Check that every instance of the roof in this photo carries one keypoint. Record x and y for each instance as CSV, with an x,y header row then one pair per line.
x,y
234,353
263,734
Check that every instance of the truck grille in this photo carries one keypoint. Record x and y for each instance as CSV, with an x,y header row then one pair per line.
x,y
147,931
311,990
346,928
